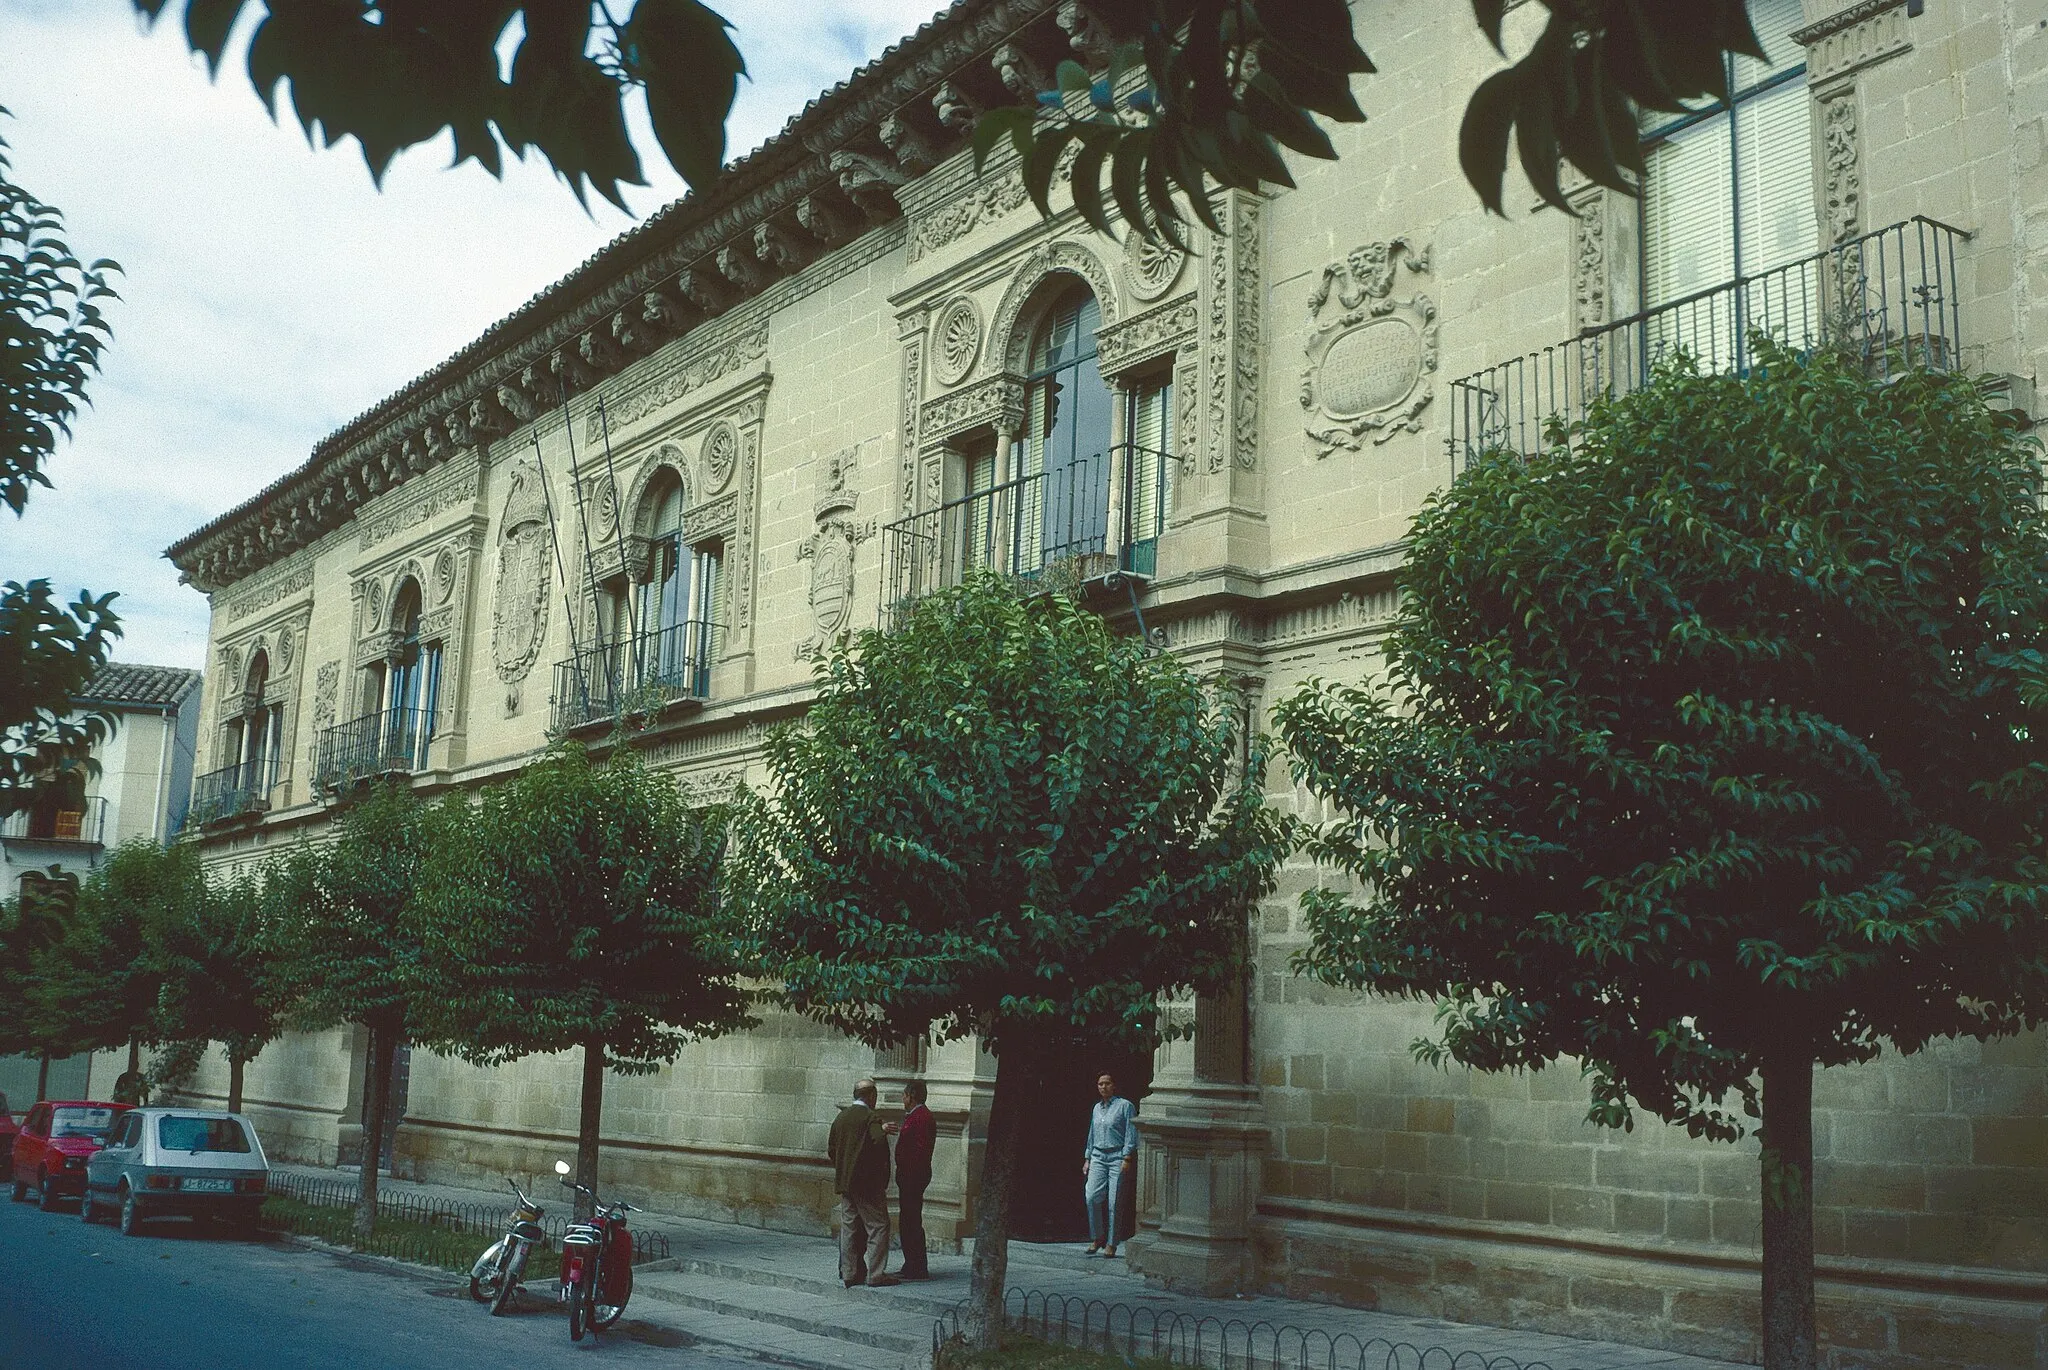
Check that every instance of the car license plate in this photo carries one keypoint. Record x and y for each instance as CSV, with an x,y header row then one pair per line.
x,y
209,1186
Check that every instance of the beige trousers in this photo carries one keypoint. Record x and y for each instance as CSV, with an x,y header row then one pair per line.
x,y
863,1237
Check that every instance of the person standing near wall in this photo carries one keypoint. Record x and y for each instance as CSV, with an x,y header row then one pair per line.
x,y
1111,1154
860,1169
916,1136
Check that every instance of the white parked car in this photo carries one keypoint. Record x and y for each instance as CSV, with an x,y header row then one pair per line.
x,y
178,1162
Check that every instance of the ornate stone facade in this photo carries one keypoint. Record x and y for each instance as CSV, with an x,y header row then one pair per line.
x,y
832,339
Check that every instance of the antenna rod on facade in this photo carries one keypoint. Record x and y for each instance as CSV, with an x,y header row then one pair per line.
x,y
561,567
582,520
611,474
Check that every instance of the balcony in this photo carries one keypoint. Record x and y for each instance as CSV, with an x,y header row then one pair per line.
x,y
81,823
642,676
232,792
1891,296
393,742
1048,525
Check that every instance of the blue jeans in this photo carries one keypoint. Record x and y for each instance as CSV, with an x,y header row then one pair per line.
x,y
1104,1175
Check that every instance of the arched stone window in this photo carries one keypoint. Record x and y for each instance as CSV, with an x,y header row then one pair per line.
x,y
1068,432
255,734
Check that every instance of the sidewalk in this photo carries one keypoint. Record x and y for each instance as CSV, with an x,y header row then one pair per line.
x,y
777,1295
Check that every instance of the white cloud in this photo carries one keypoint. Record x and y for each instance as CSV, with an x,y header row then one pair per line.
x,y
271,293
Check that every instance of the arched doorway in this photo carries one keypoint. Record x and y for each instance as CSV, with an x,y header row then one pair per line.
x,y
1047,1205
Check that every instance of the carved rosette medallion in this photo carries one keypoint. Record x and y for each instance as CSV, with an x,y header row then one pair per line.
x,y
956,341
721,454
444,576
284,650
519,614
1371,351
1151,266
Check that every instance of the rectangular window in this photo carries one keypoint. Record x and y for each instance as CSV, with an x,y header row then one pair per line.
x,y
1148,472
1729,196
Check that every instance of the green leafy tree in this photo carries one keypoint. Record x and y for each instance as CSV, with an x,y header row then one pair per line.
x,y
1003,819
1219,88
576,907
52,331
97,980
347,953
1710,750
31,923
216,958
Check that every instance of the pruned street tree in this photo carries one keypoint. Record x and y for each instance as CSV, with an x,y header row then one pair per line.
x,y
32,921
576,906
1710,751
215,957
97,980
347,955
1218,90
1002,819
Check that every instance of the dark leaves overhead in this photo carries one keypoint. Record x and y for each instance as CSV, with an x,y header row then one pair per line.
x,y
393,75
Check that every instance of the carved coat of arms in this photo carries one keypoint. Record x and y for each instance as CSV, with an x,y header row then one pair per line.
x,y
519,616
1371,351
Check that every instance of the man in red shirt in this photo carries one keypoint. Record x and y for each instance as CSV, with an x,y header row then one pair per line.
x,y
917,1134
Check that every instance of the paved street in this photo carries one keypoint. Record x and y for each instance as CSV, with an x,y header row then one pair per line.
x,y
87,1297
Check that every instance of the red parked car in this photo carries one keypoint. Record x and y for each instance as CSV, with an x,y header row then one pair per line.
x,y
52,1145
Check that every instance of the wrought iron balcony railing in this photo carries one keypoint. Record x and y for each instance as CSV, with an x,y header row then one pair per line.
x,y
81,821
646,673
393,742
1891,296
232,791
1057,521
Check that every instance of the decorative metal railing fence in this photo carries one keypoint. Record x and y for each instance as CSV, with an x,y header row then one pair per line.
x,y
80,820
640,675
1055,520
1892,297
393,742
1176,1338
232,791
483,1221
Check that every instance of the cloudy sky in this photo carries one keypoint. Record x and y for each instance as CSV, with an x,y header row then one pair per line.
x,y
271,293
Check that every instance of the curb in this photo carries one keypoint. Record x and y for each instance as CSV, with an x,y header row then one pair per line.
x,y
389,1264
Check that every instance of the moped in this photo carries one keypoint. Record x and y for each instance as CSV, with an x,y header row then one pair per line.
x,y
495,1276
597,1262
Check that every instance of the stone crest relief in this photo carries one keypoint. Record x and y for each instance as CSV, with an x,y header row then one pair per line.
x,y
519,613
830,550
1371,350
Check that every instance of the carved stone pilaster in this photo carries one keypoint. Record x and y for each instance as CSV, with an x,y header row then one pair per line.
x,y
1199,1170
1841,166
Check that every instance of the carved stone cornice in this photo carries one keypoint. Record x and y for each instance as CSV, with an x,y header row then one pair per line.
x,y
571,335
1151,334
1852,38
997,402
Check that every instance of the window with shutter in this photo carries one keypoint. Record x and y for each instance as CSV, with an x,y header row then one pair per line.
x,y
1729,193
1149,472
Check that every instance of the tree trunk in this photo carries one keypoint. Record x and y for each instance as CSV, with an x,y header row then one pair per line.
x,y
1789,1341
134,1055
587,1125
383,1047
235,1065
43,1078
988,1276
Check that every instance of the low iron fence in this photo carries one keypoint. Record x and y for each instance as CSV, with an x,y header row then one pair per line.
x,y
1892,297
484,1221
1177,1338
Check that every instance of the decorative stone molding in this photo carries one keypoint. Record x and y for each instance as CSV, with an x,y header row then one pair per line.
x,y
721,452
908,431
1008,344
831,549
1151,266
995,402
701,789
1187,389
956,341
713,519
326,690
519,607
1370,353
717,361
271,592
1591,306
1857,36
1246,344
1841,168
1230,302
1151,334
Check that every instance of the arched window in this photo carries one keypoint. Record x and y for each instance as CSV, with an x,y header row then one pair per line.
x,y
255,734
412,677
678,602
1066,441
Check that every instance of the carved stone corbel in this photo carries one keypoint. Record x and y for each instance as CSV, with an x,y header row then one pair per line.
x,y
456,426
1019,72
1086,34
706,289
780,248
869,182
487,416
914,150
598,352
738,265
516,402
822,220
955,107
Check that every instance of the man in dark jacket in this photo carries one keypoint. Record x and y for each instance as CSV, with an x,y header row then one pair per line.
x,y
860,1169
917,1134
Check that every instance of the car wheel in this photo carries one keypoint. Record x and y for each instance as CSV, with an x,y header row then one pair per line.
x,y
131,1213
20,1192
88,1211
46,1197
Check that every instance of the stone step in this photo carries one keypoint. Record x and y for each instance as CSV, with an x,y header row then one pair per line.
x,y
864,1318
928,1297
775,1344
